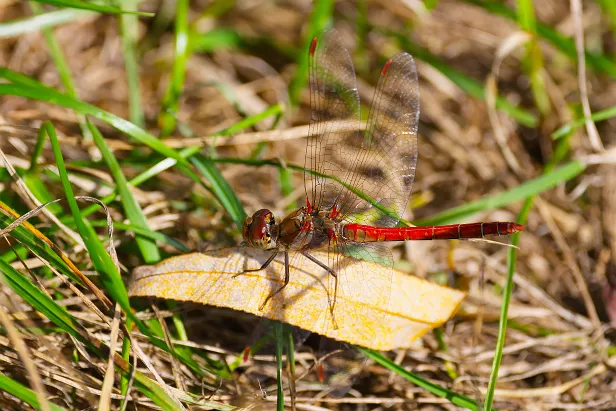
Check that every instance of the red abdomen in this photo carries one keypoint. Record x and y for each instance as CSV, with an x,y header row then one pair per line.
x,y
365,233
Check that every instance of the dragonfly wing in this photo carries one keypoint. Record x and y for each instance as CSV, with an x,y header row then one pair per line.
x,y
385,168
360,291
335,118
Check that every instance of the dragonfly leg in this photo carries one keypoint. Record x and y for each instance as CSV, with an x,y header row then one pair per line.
x,y
333,274
286,279
263,267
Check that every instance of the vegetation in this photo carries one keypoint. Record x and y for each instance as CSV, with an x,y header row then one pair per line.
x,y
147,128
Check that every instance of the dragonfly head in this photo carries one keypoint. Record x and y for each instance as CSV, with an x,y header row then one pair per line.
x,y
260,230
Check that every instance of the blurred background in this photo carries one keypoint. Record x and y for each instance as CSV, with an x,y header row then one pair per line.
x,y
504,95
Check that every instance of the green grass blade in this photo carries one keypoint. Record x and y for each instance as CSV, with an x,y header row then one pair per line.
x,y
22,79
565,44
609,8
133,131
100,8
100,258
598,116
155,392
257,162
39,300
273,110
320,19
25,394
278,336
469,85
221,188
60,317
133,211
512,254
137,180
215,39
63,68
286,184
431,4
144,176
360,56
38,246
534,57
143,232
174,91
129,26
28,87
162,166
54,18
33,181
519,193
455,398
38,149
290,350
58,56
560,152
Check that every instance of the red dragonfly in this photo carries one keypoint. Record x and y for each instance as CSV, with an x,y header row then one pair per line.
x,y
357,179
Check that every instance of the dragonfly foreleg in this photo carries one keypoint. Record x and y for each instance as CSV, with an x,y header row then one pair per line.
x,y
333,274
286,278
263,267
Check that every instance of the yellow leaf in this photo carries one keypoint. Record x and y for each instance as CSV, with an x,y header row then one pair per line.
x,y
375,307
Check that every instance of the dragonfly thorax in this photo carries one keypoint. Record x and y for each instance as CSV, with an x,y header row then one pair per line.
x,y
305,229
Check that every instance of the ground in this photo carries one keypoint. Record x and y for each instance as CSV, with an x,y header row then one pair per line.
x,y
238,95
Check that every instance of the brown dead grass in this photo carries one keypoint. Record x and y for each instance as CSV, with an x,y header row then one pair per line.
x,y
553,347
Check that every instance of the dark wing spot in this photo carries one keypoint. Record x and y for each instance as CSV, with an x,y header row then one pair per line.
x,y
407,180
354,139
373,172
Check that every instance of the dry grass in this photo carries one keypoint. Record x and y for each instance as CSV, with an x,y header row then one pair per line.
x,y
559,351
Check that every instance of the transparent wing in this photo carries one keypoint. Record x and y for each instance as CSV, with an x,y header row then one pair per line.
x,y
357,286
335,118
384,167
373,167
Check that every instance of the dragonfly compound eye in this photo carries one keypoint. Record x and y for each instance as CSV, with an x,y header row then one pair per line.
x,y
257,230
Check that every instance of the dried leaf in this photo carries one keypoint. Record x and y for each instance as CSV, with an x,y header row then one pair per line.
x,y
394,319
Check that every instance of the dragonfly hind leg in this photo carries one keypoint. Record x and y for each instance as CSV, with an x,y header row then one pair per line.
x,y
286,277
332,303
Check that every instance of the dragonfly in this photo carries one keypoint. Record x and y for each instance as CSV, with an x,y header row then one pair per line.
x,y
357,177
